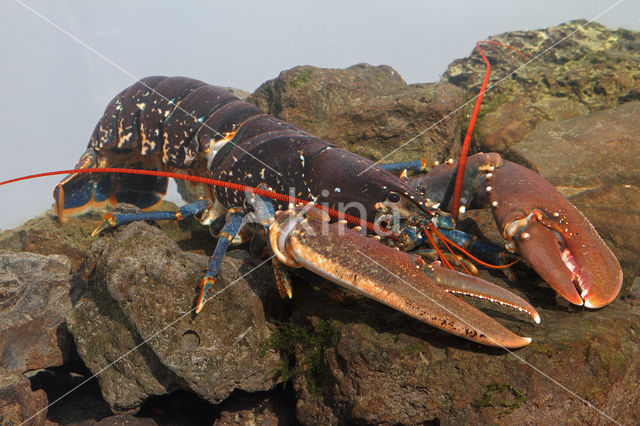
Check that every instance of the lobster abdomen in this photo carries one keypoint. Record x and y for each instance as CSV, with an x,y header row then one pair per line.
x,y
173,123
155,124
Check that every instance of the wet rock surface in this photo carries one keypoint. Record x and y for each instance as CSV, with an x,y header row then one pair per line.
x,y
589,67
46,235
368,110
140,296
260,409
327,356
18,403
388,369
512,121
34,302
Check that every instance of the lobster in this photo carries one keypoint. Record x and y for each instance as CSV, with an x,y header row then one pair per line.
x,y
177,124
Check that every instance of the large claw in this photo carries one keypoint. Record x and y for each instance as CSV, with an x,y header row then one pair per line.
x,y
553,236
381,273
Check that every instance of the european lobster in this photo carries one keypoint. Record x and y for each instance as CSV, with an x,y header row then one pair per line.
x,y
174,124
165,125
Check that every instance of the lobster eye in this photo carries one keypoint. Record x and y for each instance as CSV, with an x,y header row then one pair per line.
x,y
393,197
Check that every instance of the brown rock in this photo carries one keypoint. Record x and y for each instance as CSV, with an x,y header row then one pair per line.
x,y
257,409
512,121
141,285
368,110
390,369
567,70
117,420
589,63
18,403
34,296
46,235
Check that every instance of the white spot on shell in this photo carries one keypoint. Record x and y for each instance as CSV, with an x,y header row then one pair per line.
x,y
525,236
494,204
214,148
489,189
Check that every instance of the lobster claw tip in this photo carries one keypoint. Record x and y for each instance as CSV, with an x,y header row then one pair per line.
x,y
539,246
576,263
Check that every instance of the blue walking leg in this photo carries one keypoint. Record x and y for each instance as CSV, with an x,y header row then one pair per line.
x,y
200,209
263,213
229,231
416,166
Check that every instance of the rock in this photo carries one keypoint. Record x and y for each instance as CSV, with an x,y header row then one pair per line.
x,y
242,94
34,296
256,409
592,159
137,312
119,419
590,64
589,67
509,123
18,403
368,110
46,235
387,368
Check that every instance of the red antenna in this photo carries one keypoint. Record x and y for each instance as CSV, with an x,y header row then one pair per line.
x,y
235,186
462,163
